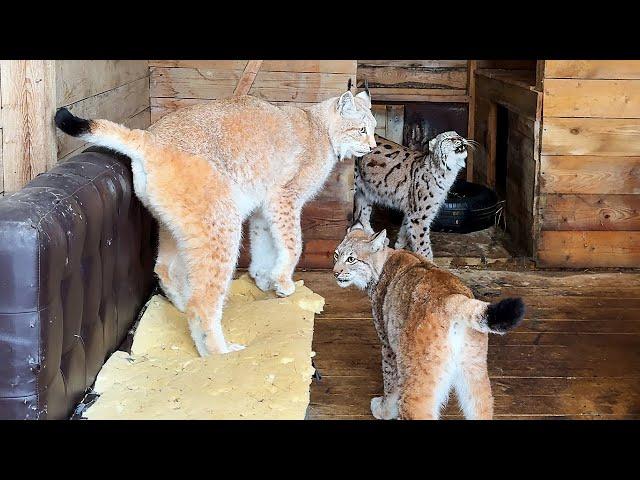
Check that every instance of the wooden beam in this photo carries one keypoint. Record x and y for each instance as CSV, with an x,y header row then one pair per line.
x,y
247,78
471,90
28,107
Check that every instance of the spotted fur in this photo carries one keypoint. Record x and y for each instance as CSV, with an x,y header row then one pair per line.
x,y
203,169
433,332
411,181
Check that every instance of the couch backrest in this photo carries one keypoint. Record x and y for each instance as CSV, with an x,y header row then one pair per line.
x,y
76,265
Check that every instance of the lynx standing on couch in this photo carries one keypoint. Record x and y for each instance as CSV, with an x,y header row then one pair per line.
x,y
433,332
202,169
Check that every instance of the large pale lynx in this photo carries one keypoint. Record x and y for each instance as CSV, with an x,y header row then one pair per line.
x,y
202,169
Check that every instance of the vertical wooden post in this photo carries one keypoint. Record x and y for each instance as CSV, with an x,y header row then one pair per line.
x,y
28,106
471,122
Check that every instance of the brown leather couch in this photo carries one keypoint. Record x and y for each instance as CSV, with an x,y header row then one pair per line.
x,y
76,265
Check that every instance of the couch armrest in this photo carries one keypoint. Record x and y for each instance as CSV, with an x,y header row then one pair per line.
x,y
76,265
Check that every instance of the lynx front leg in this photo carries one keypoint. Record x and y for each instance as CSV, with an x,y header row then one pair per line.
x,y
284,217
263,251
362,211
386,407
418,240
401,241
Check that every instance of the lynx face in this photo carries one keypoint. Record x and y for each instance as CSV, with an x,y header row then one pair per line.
x,y
351,128
359,258
450,148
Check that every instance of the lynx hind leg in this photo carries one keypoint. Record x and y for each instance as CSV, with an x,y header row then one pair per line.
x,y
472,384
172,270
425,380
362,209
284,217
263,251
211,254
418,237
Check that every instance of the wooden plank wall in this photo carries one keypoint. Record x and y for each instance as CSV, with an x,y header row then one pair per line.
x,y
178,83
30,92
28,145
415,80
590,164
117,90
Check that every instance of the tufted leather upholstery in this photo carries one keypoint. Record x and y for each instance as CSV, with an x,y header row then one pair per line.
x,y
76,265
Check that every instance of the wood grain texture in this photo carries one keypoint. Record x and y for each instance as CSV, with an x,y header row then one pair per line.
x,y
419,77
596,69
587,249
248,77
471,89
520,181
592,98
80,79
271,86
28,105
591,212
517,98
591,136
589,174
308,66
117,105
418,95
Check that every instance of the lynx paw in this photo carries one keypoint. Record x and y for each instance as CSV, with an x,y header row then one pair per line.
x,y
262,282
285,288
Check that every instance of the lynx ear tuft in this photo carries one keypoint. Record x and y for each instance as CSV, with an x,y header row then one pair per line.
x,y
355,226
379,241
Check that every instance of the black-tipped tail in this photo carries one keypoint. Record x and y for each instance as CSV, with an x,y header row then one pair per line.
x,y
70,124
505,315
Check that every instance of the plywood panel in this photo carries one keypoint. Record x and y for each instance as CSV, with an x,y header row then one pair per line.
x,y
117,105
272,86
589,174
28,105
603,69
591,212
591,136
592,98
589,249
80,79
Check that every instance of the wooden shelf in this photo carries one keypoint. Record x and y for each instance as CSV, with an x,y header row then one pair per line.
x,y
520,78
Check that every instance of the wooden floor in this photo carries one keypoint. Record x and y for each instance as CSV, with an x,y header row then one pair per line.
x,y
576,355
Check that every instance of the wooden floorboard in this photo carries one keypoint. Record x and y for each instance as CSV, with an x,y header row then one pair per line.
x,y
576,356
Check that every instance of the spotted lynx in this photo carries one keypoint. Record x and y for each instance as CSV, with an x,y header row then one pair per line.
x,y
433,332
411,181
203,169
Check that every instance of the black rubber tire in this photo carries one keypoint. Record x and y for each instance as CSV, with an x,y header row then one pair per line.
x,y
469,207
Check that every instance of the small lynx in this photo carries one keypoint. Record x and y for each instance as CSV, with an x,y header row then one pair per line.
x,y
433,332
411,181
